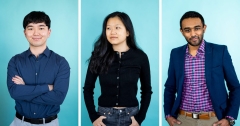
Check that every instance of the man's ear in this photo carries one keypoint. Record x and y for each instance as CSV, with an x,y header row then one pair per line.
x,y
204,28
24,31
49,32
181,30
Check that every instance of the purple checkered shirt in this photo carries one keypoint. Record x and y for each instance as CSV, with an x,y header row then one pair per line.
x,y
195,95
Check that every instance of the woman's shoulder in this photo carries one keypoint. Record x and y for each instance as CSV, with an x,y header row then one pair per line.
x,y
139,52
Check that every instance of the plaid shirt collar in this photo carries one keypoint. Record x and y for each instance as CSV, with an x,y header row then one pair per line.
x,y
200,51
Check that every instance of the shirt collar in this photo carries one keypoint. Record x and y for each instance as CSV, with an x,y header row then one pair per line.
x,y
200,51
46,52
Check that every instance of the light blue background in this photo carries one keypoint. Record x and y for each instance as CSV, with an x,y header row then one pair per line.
x,y
63,40
144,15
222,19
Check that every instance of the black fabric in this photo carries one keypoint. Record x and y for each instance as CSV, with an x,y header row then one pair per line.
x,y
119,86
36,121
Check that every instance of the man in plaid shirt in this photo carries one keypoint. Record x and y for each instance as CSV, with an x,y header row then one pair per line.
x,y
196,73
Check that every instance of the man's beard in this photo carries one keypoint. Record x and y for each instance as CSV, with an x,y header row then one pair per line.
x,y
195,44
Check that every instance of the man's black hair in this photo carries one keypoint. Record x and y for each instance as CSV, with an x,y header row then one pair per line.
x,y
36,17
191,14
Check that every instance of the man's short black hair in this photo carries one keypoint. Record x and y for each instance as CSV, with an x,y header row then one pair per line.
x,y
191,14
36,17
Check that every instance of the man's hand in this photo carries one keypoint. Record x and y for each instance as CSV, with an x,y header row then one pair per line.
x,y
98,122
50,87
18,80
222,122
134,122
171,121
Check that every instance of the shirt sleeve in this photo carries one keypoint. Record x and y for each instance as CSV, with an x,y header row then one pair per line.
x,y
22,92
88,94
146,90
60,87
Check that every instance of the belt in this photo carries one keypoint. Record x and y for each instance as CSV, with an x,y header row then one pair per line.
x,y
36,121
198,115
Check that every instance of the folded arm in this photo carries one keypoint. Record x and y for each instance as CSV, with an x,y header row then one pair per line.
x,y
19,90
60,87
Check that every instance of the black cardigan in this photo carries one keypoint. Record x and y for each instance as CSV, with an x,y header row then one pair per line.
x,y
119,86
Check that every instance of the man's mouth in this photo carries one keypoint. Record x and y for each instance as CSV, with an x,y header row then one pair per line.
x,y
36,39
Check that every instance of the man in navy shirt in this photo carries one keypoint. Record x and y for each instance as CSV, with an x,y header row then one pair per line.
x,y
37,78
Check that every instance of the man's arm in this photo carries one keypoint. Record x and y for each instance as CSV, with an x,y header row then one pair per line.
x,y
60,87
20,91
169,93
170,87
232,84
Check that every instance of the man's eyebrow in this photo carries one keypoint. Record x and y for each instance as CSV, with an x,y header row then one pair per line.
x,y
193,27
197,26
42,25
29,26
186,28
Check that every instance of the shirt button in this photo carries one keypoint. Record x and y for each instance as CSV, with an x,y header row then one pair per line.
x,y
122,53
36,74
34,113
119,61
116,103
117,86
117,77
117,52
117,95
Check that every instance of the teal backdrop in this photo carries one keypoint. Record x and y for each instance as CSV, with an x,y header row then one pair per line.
x,y
145,17
63,40
222,20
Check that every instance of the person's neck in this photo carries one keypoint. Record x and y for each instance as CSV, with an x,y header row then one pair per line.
x,y
120,48
37,50
193,50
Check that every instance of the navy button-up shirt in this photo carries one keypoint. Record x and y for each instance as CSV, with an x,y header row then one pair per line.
x,y
34,100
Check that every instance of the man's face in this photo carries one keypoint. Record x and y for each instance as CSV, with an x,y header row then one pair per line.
x,y
193,30
37,34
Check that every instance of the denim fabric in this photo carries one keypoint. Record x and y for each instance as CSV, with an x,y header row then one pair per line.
x,y
117,117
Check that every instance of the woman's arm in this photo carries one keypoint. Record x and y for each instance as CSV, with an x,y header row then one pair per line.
x,y
146,89
88,94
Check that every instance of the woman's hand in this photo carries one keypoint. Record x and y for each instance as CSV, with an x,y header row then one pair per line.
x,y
134,122
98,122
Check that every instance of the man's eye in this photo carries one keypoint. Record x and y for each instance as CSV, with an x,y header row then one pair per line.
x,y
187,30
197,29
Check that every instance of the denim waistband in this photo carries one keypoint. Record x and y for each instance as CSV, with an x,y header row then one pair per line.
x,y
110,110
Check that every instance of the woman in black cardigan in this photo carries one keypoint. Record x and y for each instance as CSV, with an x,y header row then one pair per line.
x,y
118,63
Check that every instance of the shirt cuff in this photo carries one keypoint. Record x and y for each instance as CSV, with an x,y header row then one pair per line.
x,y
230,117
168,115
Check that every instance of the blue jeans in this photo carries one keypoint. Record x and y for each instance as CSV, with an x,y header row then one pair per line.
x,y
117,117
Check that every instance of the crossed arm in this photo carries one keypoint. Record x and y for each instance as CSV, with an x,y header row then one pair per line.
x,y
46,94
18,80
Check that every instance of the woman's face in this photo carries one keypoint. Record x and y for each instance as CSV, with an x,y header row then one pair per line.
x,y
116,31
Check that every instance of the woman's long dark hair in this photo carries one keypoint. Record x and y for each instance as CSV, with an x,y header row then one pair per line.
x,y
103,54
